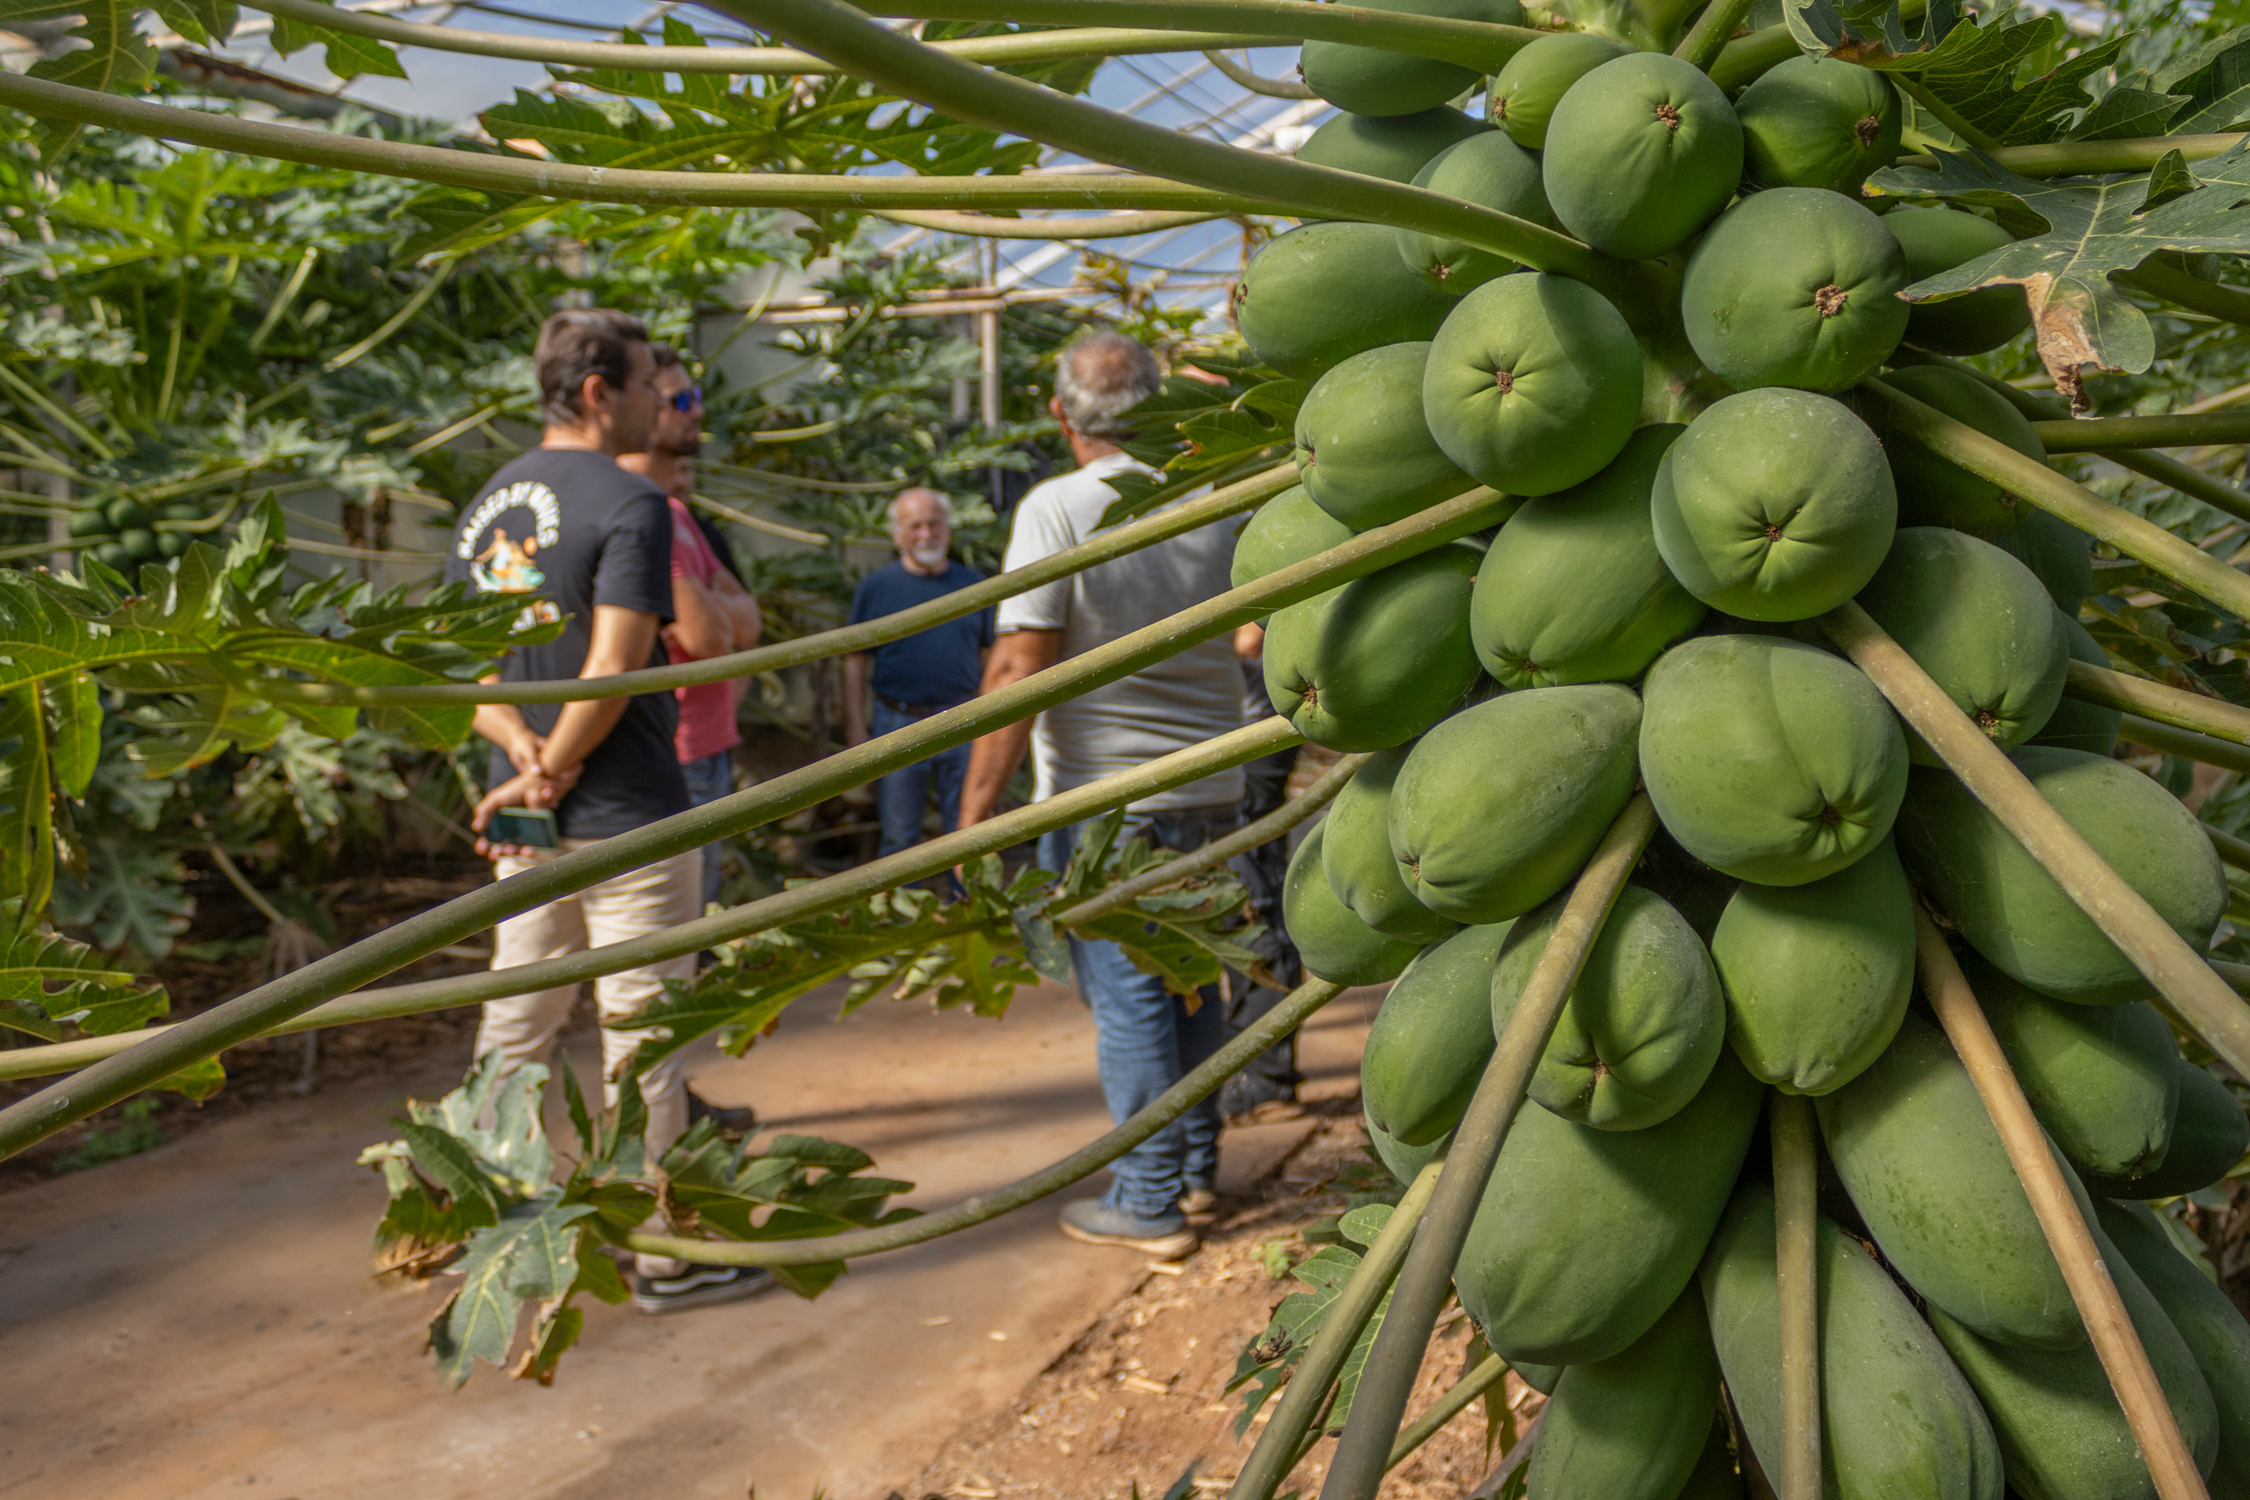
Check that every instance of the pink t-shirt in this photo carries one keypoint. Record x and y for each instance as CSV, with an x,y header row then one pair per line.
x,y
706,712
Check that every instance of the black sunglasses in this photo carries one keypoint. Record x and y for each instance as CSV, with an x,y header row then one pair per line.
x,y
687,400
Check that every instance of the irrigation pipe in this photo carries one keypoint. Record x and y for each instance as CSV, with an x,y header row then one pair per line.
x,y
1076,1167
2177,971
932,857
2116,1342
2158,701
1427,1279
1796,1231
2029,479
1490,1371
1303,1399
30,1120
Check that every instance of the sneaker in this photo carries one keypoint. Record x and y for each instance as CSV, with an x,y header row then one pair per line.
x,y
698,1286
734,1120
1198,1199
1096,1223
1258,1101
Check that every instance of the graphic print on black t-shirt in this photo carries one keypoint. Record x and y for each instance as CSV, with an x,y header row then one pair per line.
x,y
568,529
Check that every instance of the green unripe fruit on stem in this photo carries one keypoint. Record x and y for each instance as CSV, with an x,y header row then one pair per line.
x,y
1775,505
1818,123
2208,1322
113,554
1572,590
127,515
1402,1161
1500,806
2076,724
2210,1134
1896,1417
182,510
1334,944
1768,759
1644,1024
1491,171
1363,451
1533,384
140,543
2015,914
1287,529
1818,975
2059,555
1795,286
1428,1046
1977,621
171,543
1933,491
1356,856
1394,147
88,523
1938,239
1527,89
1314,297
1376,662
1926,1170
1584,1237
1370,81
1640,154
2103,1079
1633,1426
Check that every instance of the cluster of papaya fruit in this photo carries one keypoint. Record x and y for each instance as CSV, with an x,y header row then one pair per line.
x,y
123,532
1643,619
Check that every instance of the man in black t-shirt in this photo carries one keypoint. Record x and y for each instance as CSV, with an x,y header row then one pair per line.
x,y
584,541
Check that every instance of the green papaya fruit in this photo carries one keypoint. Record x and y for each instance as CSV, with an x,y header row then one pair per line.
x,y
1933,491
1573,589
1334,944
140,544
182,510
1388,146
1528,87
1633,1426
1285,530
1978,622
2075,724
1370,81
2014,913
2207,1321
88,523
1363,452
127,514
1314,297
1402,1161
2210,1136
1541,1378
1640,153
1817,976
1769,759
1533,384
2059,555
171,543
1774,505
1818,123
1938,239
1499,807
1491,171
1794,287
1644,1024
1356,854
1714,1477
1431,1039
1897,1418
2103,1079
1925,1168
2061,1430
1584,1237
113,554
1376,662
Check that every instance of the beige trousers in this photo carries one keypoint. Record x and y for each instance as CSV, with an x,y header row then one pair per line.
x,y
634,904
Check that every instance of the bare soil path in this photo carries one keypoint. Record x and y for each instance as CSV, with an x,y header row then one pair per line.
x,y
199,1321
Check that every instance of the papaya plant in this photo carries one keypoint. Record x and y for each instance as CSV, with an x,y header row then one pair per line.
x,y
1782,584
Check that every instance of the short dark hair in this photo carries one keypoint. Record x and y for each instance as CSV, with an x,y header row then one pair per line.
x,y
579,342
664,356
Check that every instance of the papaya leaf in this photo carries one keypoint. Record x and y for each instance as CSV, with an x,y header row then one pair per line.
x,y
531,1253
27,828
203,22
48,981
198,1080
2216,80
74,715
2071,234
116,58
348,54
1267,1360
130,894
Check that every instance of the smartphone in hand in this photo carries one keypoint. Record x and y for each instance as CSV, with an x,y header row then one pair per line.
x,y
529,827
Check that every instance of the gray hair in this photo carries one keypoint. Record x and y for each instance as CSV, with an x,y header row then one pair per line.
x,y
1101,376
945,506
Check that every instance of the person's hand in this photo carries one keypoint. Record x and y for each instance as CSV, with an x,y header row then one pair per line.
x,y
534,788
523,751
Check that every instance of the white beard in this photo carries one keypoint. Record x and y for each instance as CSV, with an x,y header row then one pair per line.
x,y
927,557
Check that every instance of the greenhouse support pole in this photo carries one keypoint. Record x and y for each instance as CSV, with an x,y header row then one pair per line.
x,y
1796,1229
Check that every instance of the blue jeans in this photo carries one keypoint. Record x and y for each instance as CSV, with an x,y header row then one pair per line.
x,y
901,797
1144,1039
708,780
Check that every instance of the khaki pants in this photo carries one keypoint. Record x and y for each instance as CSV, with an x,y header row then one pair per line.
x,y
630,905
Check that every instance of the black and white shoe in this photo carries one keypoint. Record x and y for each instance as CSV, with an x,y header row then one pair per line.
x,y
734,1120
698,1286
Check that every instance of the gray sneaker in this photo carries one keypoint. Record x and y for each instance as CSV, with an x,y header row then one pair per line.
x,y
698,1286
1095,1222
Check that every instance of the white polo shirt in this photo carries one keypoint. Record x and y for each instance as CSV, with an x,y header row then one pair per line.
x,y
1170,706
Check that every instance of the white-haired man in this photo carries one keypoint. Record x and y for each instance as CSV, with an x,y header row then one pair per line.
x,y
921,674
1146,1039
